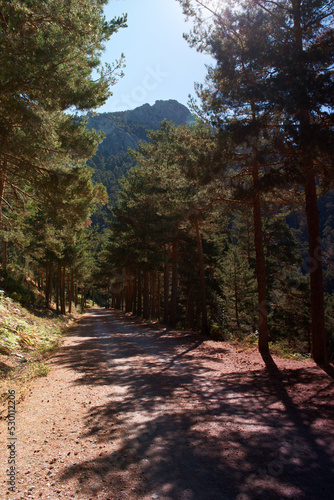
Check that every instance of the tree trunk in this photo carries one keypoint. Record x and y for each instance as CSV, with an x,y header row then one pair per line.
x,y
118,300
135,291
69,290
190,310
139,300
4,253
40,278
173,305
166,288
72,287
236,295
62,289
159,297
146,299
107,297
58,288
260,268
205,327
76,293
3,178
123,290
48,285
83,297
318,330
153,295
128,295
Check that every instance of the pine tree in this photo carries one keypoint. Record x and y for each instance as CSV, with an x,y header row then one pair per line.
x,y
238,286
49,53
233,99
160,213
281,53
54,226
302,54
184,155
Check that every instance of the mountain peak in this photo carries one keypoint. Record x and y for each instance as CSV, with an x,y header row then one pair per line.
x,y
125,129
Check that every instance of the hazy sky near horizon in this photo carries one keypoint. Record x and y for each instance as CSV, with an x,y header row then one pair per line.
x,y
159,62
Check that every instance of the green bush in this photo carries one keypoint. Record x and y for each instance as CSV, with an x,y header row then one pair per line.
x,y
18,290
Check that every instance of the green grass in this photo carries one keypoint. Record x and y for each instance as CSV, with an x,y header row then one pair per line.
x,y
27,340
21,330
39,369
281,348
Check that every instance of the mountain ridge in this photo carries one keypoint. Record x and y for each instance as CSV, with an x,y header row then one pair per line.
x,y
124,129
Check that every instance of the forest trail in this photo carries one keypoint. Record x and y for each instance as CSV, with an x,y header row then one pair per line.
x,y
135,411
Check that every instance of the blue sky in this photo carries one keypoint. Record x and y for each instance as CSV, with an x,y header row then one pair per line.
x,y
159,62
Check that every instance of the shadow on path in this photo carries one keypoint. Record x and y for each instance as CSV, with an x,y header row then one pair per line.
x,y
192,432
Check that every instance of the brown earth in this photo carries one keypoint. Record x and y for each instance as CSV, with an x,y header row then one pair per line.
x,y
136,411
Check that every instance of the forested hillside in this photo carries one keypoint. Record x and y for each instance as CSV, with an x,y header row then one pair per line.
x,y
181,246
157,264
51,74
215,226
124,130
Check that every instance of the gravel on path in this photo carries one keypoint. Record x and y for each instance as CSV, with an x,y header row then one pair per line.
x,y
136,411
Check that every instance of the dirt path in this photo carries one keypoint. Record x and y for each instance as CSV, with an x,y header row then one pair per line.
x,y
137,412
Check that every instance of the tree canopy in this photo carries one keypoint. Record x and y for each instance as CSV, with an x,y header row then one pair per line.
x,y
50,64
274,76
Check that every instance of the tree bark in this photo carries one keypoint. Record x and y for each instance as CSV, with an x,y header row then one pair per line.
x,y
106,295
173,304
159,297
139,300
190,310
146,299
128,295
42,278
135,292
71,298
3,179
260,268
4,253
76,293
318,330
48,284
236,294
62,289
166,288
70,290
153,290
58,288
123,291
83,297
205,327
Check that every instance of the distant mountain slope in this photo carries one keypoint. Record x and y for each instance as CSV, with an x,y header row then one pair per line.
x,y
124,130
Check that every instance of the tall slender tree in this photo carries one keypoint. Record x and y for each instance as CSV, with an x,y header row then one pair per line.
x,y
288,44
301,88
234,101
50,63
